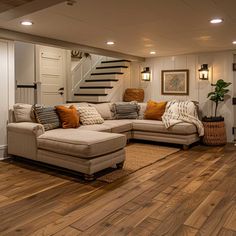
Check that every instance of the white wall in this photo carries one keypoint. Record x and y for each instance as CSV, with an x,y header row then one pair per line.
x,y
220,64
24,63
7,90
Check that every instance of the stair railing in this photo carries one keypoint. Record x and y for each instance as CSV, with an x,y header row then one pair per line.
x,y
83,70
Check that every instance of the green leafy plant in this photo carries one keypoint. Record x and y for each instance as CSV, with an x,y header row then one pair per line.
x,y
218,95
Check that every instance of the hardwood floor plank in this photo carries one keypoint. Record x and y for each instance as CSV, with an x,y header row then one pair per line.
x,y
231,221
226,232
216,220
68,231
31,226
200,215
185,230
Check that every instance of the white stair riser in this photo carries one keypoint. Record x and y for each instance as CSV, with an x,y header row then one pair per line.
x,y
110,70
90,99
100,77
93,91
115,64
97,84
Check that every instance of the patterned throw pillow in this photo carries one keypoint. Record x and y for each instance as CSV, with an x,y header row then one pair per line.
x,y
125,110
47,116
89,116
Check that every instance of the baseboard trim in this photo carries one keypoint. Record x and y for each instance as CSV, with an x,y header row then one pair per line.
x,y
3,152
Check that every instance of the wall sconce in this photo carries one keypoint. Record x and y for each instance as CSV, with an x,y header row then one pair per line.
x,y
146,74
204,72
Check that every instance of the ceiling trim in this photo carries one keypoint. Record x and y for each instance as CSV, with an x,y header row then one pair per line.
x,y
19,36
27,8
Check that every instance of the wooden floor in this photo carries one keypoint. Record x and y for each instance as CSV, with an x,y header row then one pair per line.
x,y
189,193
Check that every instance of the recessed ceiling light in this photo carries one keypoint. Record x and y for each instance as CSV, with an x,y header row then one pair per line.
x,y
27,23
234,42
110,43
152,53
216,20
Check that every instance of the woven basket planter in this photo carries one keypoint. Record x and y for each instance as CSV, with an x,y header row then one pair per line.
x,y
132,94
215,133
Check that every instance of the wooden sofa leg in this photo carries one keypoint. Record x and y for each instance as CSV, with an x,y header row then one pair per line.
x,y
185,147
120,165
89,177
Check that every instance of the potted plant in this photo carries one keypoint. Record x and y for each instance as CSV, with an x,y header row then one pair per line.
x,y
214,126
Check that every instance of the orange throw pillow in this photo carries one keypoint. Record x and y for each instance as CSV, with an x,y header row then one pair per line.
x,y
68,116
154,110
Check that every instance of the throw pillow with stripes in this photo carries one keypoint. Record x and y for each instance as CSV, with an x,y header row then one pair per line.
x,y
125,110
47,116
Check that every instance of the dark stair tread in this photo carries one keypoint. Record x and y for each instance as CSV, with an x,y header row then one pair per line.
x,y
101,80
97,87
108,73
85,101
110,67
78,94
115,61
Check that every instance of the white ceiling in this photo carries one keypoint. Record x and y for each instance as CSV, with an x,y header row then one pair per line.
x,y
169,27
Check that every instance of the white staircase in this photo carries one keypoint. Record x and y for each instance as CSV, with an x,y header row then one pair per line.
x,y
103,81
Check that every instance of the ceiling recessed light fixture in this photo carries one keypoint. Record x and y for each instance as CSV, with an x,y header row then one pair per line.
x,y
110,43
152,53
216,21
27,23
234,42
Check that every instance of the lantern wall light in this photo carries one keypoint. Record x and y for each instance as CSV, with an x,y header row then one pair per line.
x,y
146,74
204,72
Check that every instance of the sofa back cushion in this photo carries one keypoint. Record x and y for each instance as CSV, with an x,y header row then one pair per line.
x,y
125,110
47,116
23,113
89,116
104,109
68,116
154,110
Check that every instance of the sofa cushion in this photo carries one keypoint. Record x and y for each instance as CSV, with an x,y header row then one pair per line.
x,y
126,110
89,116
158,126
96,127
104,109
154,110
46,116
69,116
81,143
143,106
23,113
119,126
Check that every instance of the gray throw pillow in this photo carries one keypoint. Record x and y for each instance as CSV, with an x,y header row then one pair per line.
x,y
125,110
47,116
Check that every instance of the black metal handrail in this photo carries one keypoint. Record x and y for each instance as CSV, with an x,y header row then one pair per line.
x,y
34,86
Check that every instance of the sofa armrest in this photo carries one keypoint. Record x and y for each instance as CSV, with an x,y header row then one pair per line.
x,y
26,128
22,139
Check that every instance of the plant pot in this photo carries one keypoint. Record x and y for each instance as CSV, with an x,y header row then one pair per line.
x,y
215,133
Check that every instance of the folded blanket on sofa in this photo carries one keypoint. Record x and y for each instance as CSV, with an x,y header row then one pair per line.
x,y
182,111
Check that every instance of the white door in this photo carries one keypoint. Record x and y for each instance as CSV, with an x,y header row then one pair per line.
x,y
51,75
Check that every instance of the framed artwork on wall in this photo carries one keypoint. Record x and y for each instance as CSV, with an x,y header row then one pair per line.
x,y
175,82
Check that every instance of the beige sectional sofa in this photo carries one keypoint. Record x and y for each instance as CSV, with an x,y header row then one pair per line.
x,y
91,148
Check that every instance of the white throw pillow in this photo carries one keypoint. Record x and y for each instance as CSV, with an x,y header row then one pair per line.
x,y
143,106
23,112
104,109
89,116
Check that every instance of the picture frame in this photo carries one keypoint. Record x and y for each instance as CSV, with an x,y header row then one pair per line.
x,y
175,82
